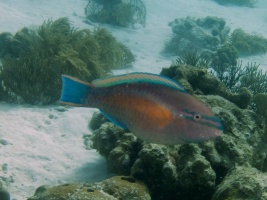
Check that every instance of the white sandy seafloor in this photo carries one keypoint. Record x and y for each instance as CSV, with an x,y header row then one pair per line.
x,y
43,145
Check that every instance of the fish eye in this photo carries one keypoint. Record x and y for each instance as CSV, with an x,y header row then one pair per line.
x,y
197,117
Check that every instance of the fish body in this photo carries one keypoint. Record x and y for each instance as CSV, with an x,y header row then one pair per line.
x,y
154,108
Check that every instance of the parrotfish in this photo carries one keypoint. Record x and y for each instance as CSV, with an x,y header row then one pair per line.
x,y
153,107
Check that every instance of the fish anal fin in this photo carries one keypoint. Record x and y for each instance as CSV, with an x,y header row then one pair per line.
x,y
114,121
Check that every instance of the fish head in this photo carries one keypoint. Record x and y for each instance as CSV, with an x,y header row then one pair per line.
x,y
198,126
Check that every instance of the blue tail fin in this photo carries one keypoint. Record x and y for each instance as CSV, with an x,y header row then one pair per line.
x,y
74,92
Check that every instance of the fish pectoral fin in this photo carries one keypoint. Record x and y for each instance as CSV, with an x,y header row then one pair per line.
x,y
114,121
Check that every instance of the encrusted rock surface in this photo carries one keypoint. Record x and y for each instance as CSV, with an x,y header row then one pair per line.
x,y
117,187
242,183
189,171
193,171
198,80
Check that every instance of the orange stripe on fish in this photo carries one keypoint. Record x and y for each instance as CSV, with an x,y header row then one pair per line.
x,y
153,111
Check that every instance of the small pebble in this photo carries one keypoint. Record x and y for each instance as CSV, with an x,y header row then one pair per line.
x,y
61,109
3,142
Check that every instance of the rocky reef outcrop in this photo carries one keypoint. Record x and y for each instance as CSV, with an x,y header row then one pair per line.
x,y
242,183
194,171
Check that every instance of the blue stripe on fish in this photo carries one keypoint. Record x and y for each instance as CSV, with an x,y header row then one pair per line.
x,y
211,121
214,122
138,78
74,91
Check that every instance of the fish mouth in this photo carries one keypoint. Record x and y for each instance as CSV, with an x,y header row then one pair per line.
x,y
201,136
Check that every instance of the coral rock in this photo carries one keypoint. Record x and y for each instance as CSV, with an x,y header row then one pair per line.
x,y
242,183
117,187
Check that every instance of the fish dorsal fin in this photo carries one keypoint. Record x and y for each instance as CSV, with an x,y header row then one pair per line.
x,y
138,78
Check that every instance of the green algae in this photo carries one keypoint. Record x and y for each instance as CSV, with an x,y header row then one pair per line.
x,y
33,60
248,44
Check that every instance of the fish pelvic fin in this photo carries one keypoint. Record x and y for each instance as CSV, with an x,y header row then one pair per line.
x,y
74,91
116,122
